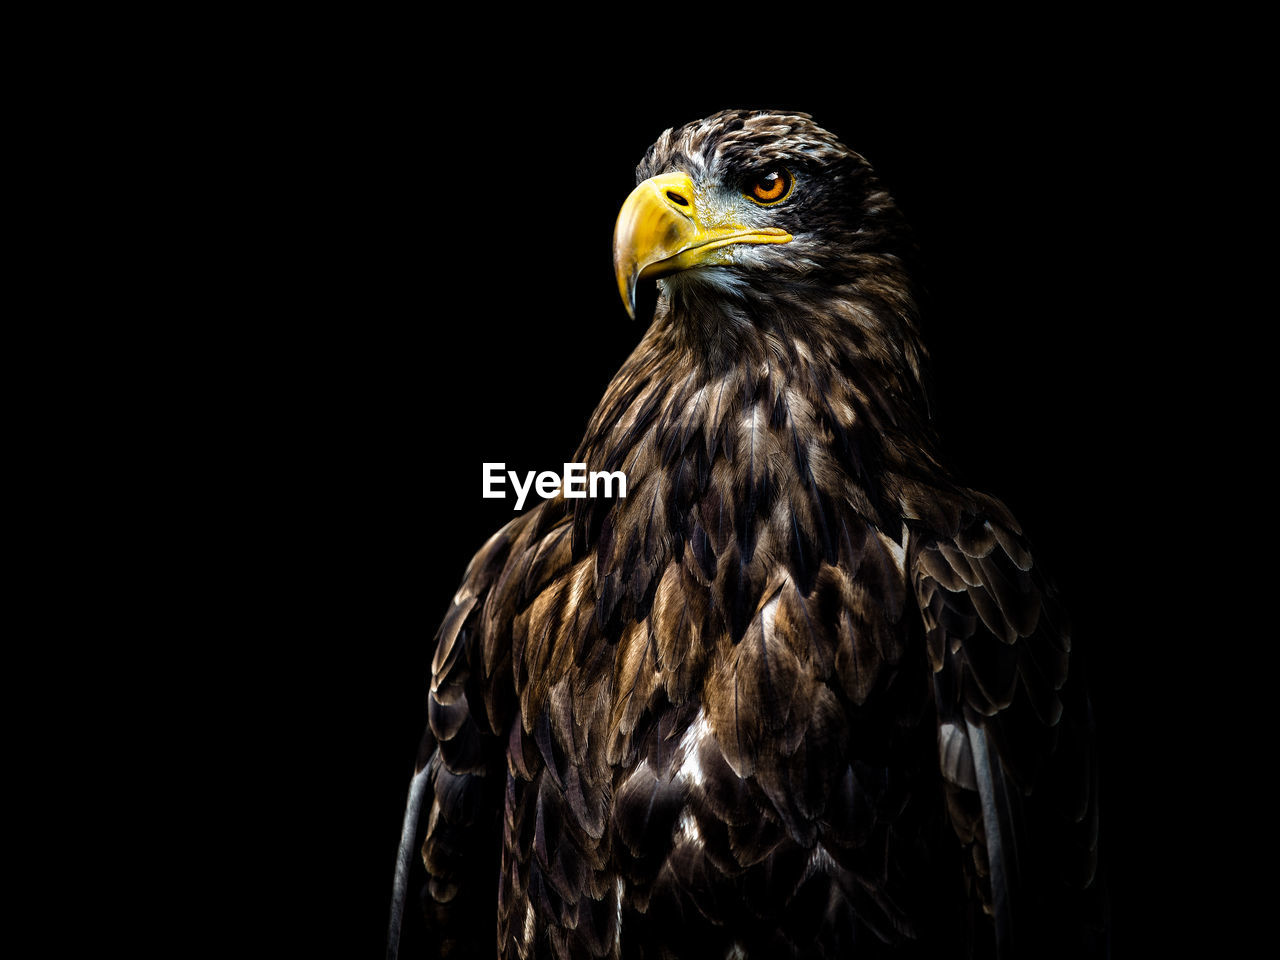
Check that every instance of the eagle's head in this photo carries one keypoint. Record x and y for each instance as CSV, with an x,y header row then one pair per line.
x,y
761,228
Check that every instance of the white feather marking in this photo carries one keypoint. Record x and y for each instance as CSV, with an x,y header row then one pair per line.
x,y
617,930
751,423
641,770
579,586
955,755
688,828
530,927
769,615
899,552
690,770
820,860
736,953
844,413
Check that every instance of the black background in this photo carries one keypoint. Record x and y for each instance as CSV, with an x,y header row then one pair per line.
x,y
420,281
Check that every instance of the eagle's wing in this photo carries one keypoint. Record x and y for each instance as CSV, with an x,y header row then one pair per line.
x,y
1014,725
456,795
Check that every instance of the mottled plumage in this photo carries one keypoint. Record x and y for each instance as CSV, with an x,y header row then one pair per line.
x,y
799,693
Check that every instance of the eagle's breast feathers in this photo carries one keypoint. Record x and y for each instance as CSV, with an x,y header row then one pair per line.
x,y
798,690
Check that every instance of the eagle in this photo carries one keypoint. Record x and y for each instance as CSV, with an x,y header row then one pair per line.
x,y
799,693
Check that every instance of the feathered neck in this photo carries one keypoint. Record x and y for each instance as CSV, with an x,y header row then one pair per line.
x,y
767,413
851,352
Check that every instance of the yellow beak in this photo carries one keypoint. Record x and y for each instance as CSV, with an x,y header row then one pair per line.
x,y
660,231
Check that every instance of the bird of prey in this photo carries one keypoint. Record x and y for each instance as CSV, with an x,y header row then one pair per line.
x,y
799,692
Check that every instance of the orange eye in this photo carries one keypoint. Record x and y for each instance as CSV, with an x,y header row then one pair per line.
x,y
769,188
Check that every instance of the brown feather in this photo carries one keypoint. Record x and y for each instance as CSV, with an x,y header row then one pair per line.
x,y
798,693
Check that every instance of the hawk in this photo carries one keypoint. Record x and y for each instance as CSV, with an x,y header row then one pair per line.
x,y
799,692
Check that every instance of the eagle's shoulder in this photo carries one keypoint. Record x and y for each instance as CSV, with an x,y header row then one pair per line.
x,y
1015,727
503,582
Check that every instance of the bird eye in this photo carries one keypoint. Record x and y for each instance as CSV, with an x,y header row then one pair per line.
x,y
769,188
